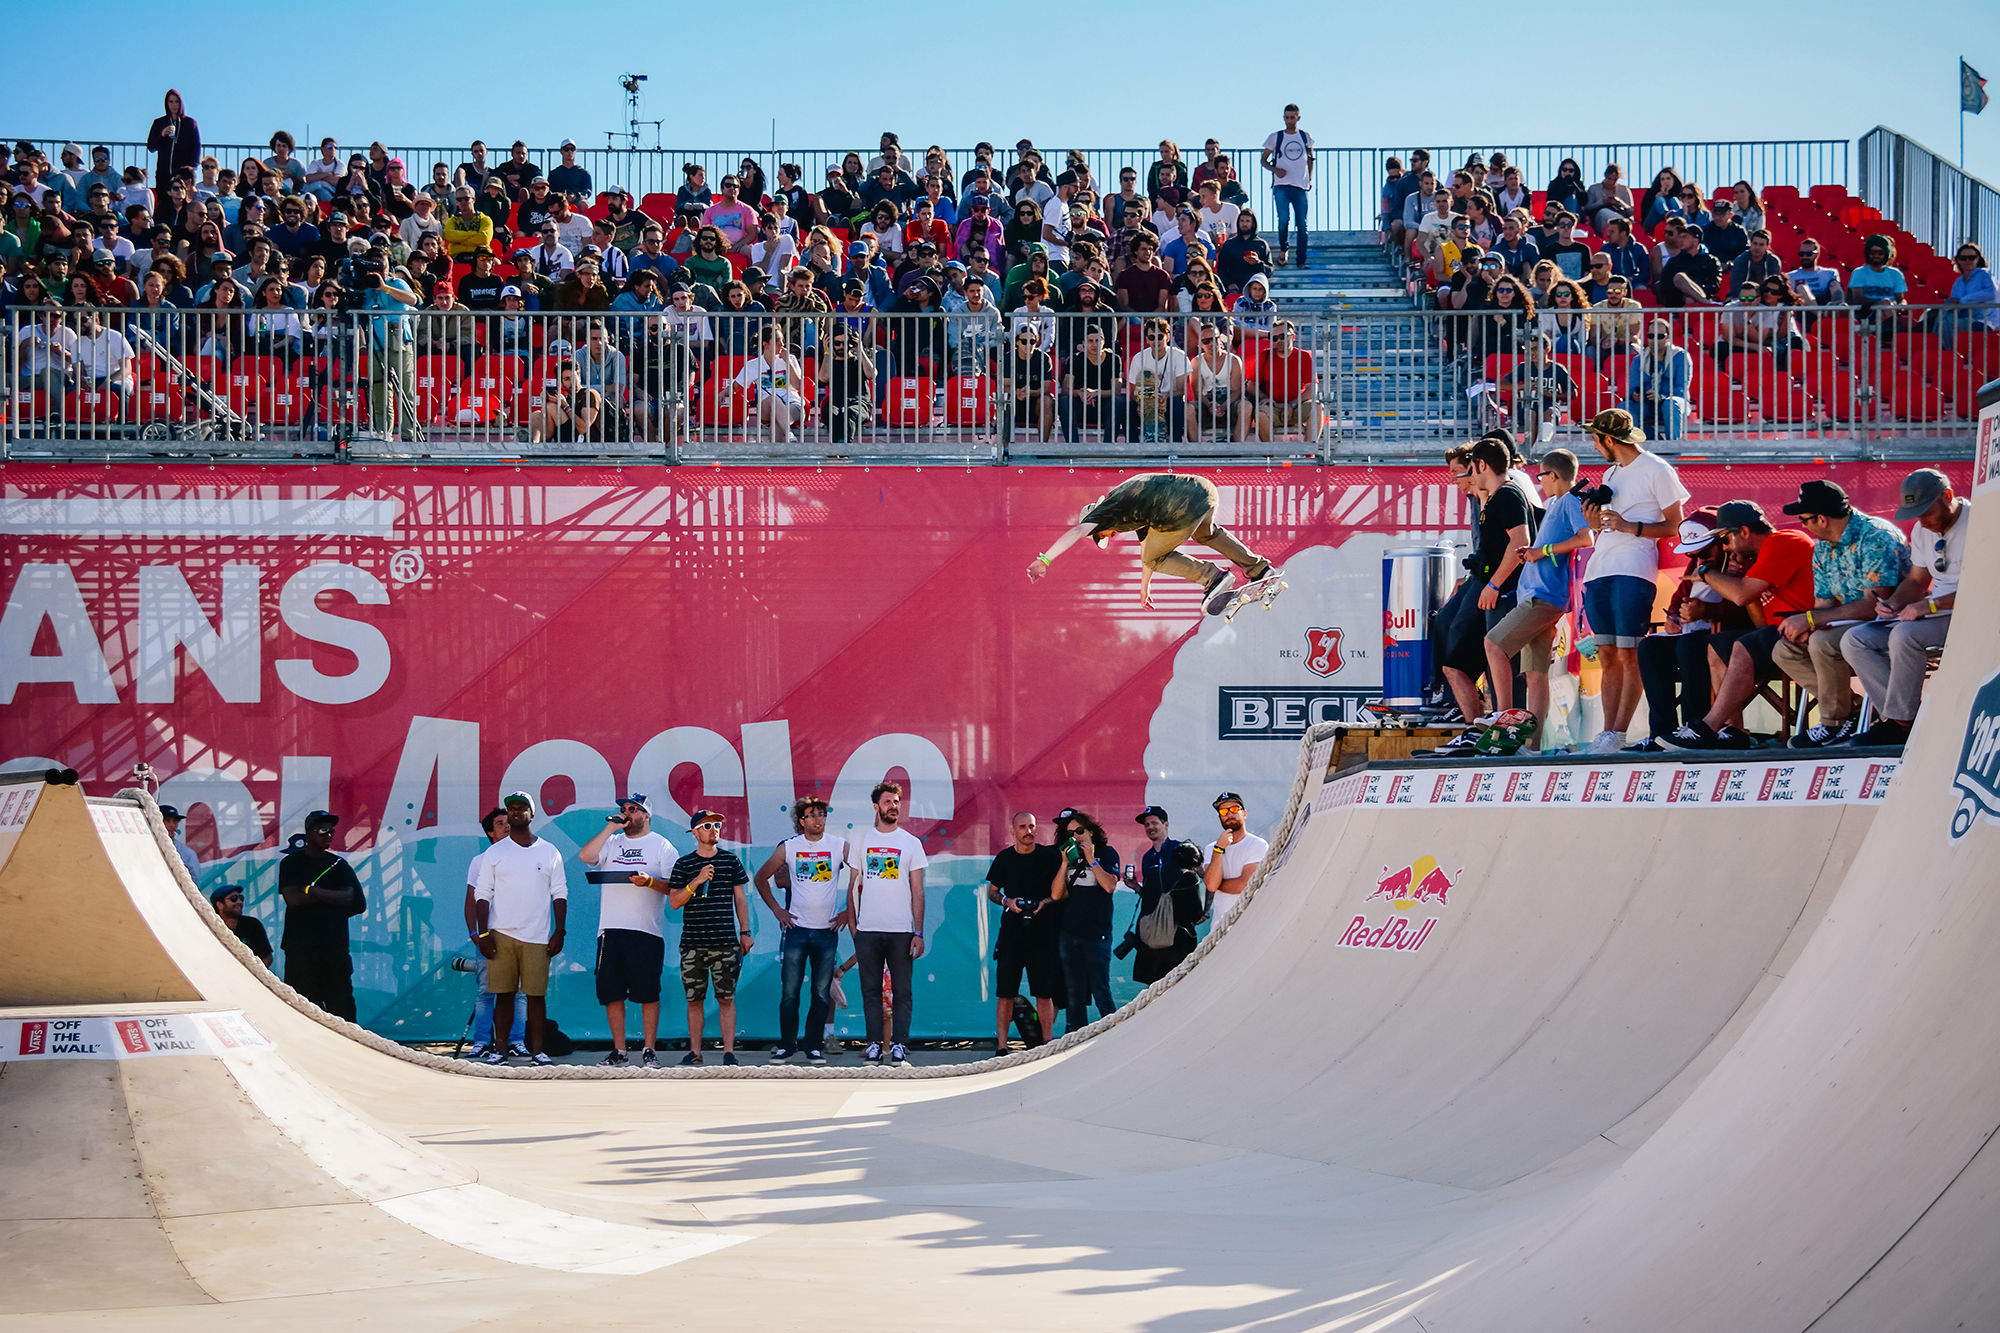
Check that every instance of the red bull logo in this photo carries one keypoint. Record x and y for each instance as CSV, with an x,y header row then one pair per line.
x,y
1422,881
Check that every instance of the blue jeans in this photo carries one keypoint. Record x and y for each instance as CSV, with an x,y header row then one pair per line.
x,y
1086,962
801,945
482,1012
1292,202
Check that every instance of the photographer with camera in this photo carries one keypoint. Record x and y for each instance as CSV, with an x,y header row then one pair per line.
x,y
633,863
392,364
1167,868
1084,885
1637,502
495,825
1019,880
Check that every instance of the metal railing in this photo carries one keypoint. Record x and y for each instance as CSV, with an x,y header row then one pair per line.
x,y
1924,194
698,385
1345,193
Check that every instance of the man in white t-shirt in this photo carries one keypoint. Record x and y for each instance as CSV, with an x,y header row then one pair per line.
x,y
632,866
520,904
1891,656
1218,215
1288,156
1618,585
1234,856
778,380
887,891
813,869
1156,385
495,826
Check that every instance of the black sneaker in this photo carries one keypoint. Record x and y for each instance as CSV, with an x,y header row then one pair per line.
x,y
518,1051
616,1060
648,1060
691,1058
898,1056
780,1054
1648,746
1695,735
1217,589
1735,738
1819,735
729,1058
1885,732
478,1052
815,1056
1464,746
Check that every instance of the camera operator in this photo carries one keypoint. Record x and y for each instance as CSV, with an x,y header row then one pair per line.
x,y
1018,880
392,367
1088,878
1167,866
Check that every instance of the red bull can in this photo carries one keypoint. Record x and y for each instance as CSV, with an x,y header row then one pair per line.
x,y
1416,580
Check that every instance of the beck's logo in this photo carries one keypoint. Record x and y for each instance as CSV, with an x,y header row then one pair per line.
x,y
1323,651
1977,782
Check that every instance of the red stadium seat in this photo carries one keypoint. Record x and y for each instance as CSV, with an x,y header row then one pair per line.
x,y
658,207
277,397
436,388
968,400
909,402
93,407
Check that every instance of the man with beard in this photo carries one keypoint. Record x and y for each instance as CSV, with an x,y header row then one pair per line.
x,y
1019,880
1233,857
887,894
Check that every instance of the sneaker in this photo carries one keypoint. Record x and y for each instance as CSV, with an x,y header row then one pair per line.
x,y
478,1052
648,1060
1218,589
1735,738
493,1058
1284,257
815,1056
1885,732
898,1056
1695,735
1819,735
1605,742
729,1058
615,1060
541,1058
1650,745
1450,715
874,1051
691,1058
1464,746
780,1054
518,1051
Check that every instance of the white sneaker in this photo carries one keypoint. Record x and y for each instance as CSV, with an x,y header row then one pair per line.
x,y
1606,742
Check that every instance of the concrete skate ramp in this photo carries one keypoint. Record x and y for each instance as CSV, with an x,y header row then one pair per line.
x,y
1656,1047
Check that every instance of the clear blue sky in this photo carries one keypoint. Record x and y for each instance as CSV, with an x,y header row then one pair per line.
x,y
1101,76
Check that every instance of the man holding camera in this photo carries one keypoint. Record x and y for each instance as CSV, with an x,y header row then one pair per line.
x,y
321,892
813,869
632,865
520,906
1019,880
1637,502
392,369
1234,856
1084,886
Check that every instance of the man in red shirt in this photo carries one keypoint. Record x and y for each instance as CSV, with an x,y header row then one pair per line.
x,y
1285,385
1777,581
1144,284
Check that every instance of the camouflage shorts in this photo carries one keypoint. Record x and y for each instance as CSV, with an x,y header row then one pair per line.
x,y
699,965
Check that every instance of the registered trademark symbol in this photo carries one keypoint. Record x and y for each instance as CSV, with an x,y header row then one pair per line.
x,y
406,566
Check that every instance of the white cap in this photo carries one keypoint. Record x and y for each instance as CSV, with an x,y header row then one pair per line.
x,y
567,143
1695,536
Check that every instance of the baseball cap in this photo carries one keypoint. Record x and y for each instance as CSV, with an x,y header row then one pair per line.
x,y
704,817
1148,813
1616,423
319,818
521,796
482,250
953,263
567,143
1921,490
72,147
1697,534
1739,514
858,248
638,799
755,274
509,290
1225,799
106,257
1822,498
170,812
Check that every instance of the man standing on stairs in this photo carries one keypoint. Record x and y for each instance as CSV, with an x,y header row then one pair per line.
x,y
1288,156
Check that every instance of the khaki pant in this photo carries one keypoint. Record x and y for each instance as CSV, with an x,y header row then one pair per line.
x,y
1890,657
517,965
1160,553
1817,665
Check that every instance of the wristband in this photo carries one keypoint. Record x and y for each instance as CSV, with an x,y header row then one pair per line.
x,y
1809,621
1491,584
1549,552
1932,604
1044,559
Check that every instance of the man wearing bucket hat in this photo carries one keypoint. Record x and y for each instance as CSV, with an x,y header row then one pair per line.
x,y
1891,655
1638,501
1858,560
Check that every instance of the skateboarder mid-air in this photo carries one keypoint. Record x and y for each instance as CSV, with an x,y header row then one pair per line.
x,y
1164,510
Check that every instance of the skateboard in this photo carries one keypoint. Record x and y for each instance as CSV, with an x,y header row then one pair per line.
x,y
1263,590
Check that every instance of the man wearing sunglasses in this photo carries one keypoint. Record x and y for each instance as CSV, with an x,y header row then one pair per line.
x,y
1819,285
1234,855
1890,655
706,888
632,874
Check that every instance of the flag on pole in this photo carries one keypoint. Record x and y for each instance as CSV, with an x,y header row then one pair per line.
x,y
1972,94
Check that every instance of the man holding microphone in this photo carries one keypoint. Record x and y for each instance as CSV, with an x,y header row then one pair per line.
x,y
632,866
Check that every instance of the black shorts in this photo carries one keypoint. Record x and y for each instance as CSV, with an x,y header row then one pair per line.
x,y
1758,643
629,964
1042,963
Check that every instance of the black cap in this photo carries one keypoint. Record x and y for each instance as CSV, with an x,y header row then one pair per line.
x,y
1148,813
170,812
704,817
1740,514
319,817
1065,813
1820,497
1225,798
1921,489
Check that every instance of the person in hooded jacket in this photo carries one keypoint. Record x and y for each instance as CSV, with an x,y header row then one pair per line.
x,y
1243,254
176,138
